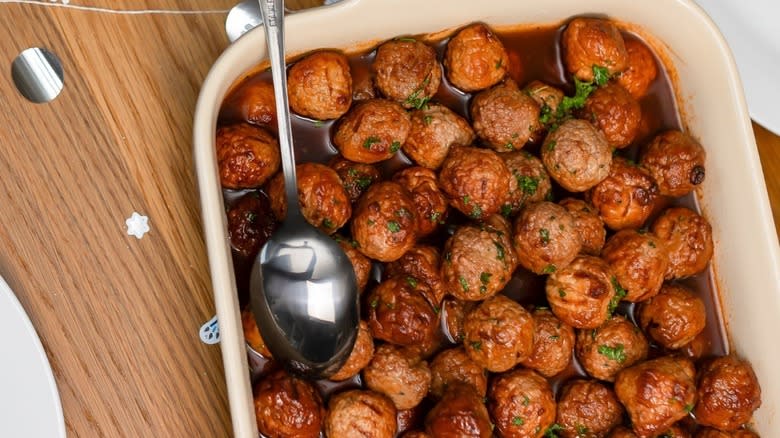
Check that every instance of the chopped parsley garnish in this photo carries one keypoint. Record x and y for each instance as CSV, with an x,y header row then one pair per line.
x,y
466,199
395,146
689,408
552,431
551,145
549,269
545,115
476,212
327,223
499,250
561,293
545,235
463,283
506,210
318,123
528,184
477,345
370,222
393,226
414,100
509,146
526,400
582,430
427,119
615,353
412,282
600,75
402,212
371,140
251,216
352,172
484,277
517,421
620,293
363,183
499,63
374,303
651,244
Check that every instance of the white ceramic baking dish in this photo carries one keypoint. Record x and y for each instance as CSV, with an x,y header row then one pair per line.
x,y
746,261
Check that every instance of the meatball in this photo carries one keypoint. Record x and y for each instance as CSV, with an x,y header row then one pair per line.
x,y
453,314
728,393
415,434
576,155
355,177
460,413
287,406
250,224
252,334
545,96
454,366
657,393
614,346
688,239
625,199
246,155
553,344
320,85
545,238
676,162
583,293
621,432
640,69
593,42
372,131
421,263
616,113
504,117
385,223
476,181
587,408
674,317
530,183
674,432
361,355
255,102
714,433
324,202
475,59
588,223
407,71
498,334
430,203
398,374
399,313
639,261
360,263
522,404
434,130
359,414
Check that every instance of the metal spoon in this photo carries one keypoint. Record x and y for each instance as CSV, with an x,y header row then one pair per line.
x,y
246,15
303,288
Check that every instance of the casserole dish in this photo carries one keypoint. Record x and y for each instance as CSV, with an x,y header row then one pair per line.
x,y
746,261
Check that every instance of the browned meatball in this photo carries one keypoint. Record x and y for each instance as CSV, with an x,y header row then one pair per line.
x,y
475,58
360,263
435,128
360,414
589,42
454,366
355,177
522,404
504,117
673,432
416,434
399,313
688,239
398,374
453,314
250,224
553,343
728,393
582,294
676,162
320,85
545,238
361,355
407,71
576,155
639,261
324,202
255,102
372,131
287,406
614,346
499,334
621,432
475,180
252,334
588,223
674,317
640,71
714,433
616,113
587,408
429,201
246,155
545,96
385,222
657,393
460,413
530,183
625,199
422,263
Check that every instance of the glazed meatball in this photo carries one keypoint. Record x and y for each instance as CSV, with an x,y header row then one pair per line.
x,y
582,294
504,117
593,42
588,223
621,432
360,263
640,71
355,177
673,432
476,181
320,85
553,343
453,314
434,130
688,239
616,113
422,263
676,162
416,434
385,223
287,406
250,224
545,96
728,393
657,393
399,313
639,261
454,366
407,71
587,408
252,334
576,155
372,131
625,199
361,355
522,404
359,414
674,317
246,155
430,203
324,202
498,334
460,413
398,374
530,183
545,238
255,102
475,59
614,346
714,433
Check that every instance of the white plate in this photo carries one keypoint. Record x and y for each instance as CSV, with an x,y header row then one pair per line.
x,y
752,31
29,401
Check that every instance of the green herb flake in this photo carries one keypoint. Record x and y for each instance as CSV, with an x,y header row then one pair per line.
x,y
414,100
528,184
403,212
327,223
499,250
581,430
509,146
651,244
545,115
552,431
319,123
374,303
600,75
545,235
371,140
463,283
506,210
363,183
477,345
251,216
370,222
561,293
484,277
620,293
551,145
395,146
476,212
427,120
688,408
554,337
393,226
517,421
526,400
499,63
615,353
466,200
434,217
549,269
412,282
352,172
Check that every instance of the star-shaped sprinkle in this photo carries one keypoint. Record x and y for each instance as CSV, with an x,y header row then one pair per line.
x,y
137,225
